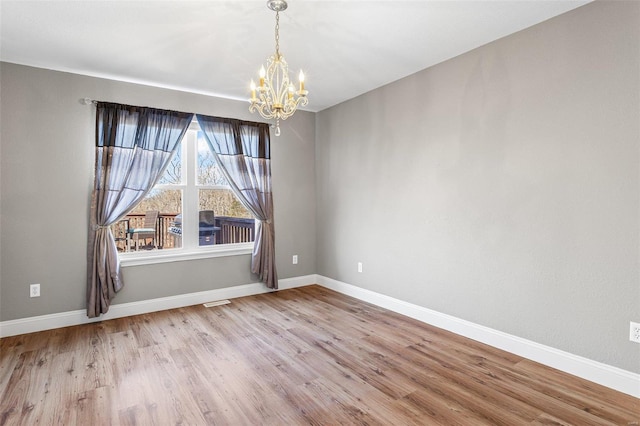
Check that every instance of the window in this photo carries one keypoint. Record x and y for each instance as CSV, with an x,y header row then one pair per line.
x,y
198,213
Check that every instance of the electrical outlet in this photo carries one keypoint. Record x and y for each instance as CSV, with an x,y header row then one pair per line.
x,y
359,266
634,332
34,290
295,259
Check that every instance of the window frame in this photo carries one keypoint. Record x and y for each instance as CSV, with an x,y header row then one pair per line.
x,y
190,250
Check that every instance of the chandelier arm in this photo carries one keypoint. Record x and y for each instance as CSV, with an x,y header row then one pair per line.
x,y
265,113
283,90
293,106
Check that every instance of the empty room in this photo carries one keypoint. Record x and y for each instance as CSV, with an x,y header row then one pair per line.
x,y
320,212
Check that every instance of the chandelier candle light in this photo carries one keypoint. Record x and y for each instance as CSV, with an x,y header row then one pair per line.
x,y
276,95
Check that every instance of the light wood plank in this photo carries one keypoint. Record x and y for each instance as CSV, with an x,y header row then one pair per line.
x,y
306,356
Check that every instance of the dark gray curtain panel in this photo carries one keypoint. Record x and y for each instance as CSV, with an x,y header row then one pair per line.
x,y
133,147
242,149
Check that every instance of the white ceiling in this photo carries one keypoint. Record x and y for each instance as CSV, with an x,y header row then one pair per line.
x,y
345,48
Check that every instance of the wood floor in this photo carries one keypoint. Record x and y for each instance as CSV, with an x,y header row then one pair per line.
x,y
295,357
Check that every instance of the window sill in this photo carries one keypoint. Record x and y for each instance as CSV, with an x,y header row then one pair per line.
x,y
179,255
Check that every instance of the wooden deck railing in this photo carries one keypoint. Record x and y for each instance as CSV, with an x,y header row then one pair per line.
x,y
233,230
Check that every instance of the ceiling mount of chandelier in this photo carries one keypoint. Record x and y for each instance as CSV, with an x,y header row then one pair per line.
x,y
275,97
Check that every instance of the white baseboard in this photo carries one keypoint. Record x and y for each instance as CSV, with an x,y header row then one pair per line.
x,y
66,319
606,375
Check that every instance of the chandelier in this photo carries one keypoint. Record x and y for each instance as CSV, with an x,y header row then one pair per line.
x,y
276,95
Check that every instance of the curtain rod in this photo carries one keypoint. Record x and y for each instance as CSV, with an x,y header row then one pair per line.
x,y
89,101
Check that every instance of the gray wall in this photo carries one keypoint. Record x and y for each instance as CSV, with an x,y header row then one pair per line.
x,y
501,186
47,158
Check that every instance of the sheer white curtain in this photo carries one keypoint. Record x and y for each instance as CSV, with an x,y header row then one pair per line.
x,y
242,149
133,147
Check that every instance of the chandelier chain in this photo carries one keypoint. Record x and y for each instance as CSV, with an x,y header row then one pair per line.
x,y
278,34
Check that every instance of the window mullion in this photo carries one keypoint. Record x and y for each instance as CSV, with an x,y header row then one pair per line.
x,y
190,206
